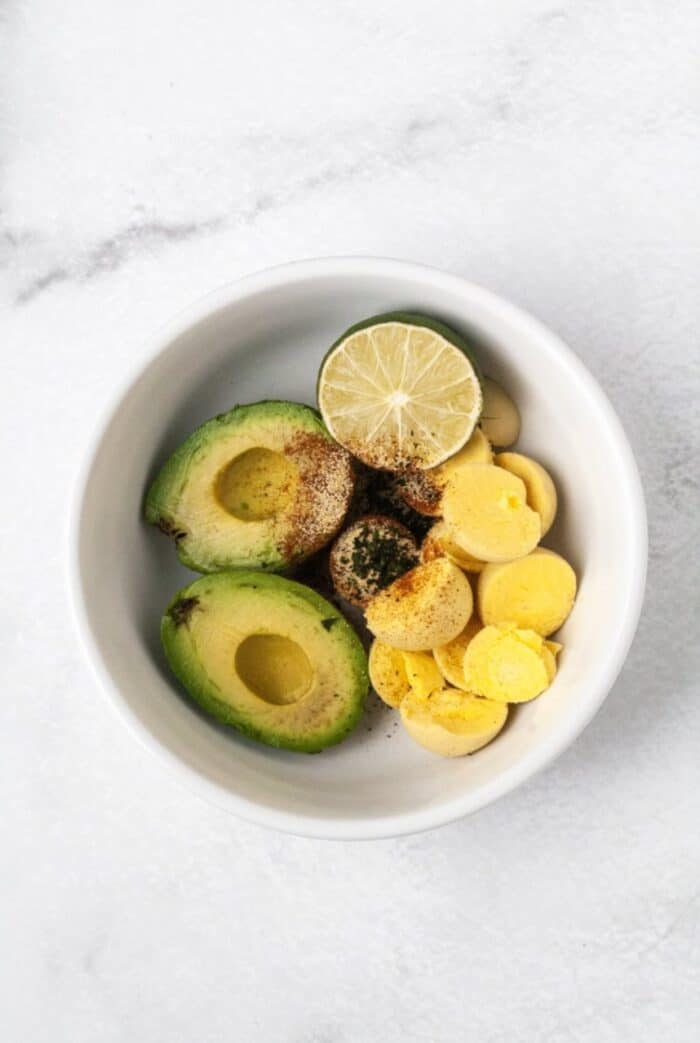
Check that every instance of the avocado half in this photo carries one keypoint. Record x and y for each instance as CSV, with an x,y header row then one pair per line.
x,y
269,657
262,486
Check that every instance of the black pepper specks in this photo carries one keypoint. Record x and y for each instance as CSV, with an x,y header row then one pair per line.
x,y
182,610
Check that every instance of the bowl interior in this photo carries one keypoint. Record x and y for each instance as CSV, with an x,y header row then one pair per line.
x,y
264,339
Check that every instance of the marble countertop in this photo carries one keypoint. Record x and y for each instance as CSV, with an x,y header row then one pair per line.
x,y
150,152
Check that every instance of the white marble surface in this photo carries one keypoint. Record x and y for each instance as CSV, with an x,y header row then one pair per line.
x,y
150,151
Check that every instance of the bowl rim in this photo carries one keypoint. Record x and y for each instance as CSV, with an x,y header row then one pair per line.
x,y
359,828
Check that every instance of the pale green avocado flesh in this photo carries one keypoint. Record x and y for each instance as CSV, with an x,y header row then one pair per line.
x,y
269,657
262,486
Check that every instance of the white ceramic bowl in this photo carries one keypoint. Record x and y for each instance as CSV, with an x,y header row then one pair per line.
x,y
263,337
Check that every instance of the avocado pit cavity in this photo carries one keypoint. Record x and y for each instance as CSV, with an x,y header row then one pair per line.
x,y
274,667
256,484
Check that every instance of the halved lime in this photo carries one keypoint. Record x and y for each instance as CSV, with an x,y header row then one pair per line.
x,y
400,391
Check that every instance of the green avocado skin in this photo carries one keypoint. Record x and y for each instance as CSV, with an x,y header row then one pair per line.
x,y
410,318
160,507
342,642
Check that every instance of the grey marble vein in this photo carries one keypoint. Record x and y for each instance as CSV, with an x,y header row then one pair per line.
x,y
110,254
41,283
410,144
12,240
